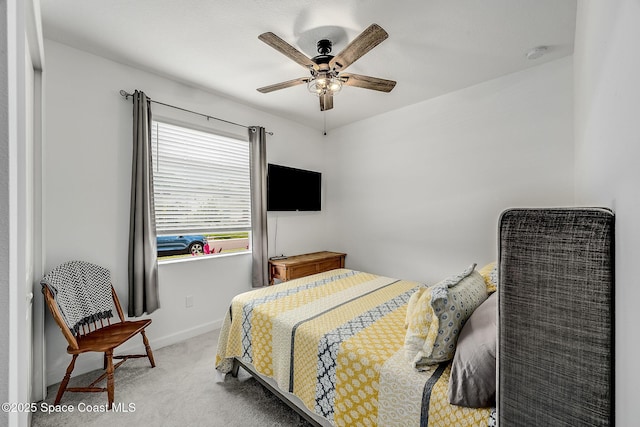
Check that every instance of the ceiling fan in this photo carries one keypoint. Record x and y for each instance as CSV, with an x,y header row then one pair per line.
x,y
327,77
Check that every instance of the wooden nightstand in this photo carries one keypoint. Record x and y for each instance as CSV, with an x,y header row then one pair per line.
x,y
304,265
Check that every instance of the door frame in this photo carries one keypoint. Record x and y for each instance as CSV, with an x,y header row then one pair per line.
x,y
24,127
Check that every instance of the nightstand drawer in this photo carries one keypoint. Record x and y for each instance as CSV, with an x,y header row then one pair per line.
x,y
302,270
330,265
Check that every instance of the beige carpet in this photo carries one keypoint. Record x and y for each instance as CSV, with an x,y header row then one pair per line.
x,y
180,391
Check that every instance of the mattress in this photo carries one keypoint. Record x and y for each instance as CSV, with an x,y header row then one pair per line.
x,y
336,341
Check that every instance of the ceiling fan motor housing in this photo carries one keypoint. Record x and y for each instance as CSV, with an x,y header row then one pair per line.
x,y
324,48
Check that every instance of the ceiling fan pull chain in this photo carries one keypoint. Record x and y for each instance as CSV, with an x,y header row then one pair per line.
x,y
324,116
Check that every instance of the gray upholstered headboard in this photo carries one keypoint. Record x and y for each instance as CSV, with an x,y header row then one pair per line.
x,y
556,318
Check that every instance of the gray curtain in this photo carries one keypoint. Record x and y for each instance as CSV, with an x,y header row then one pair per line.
x,y
143,255
258,150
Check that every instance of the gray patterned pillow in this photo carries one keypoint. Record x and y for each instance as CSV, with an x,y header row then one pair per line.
x,y
452,302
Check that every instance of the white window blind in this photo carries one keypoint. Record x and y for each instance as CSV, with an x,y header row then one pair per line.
x,y
201,181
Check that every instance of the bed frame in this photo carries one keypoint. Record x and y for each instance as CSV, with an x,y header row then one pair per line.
x,y
556,317
289,399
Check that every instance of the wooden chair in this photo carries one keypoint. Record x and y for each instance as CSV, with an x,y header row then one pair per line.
x,y
101,335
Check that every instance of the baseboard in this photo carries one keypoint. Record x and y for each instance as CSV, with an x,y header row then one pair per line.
x,y
185,334
88,362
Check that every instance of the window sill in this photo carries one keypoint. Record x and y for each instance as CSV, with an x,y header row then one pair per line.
x,y
202,257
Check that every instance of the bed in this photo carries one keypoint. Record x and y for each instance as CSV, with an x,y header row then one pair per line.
x,y
348,348
337,346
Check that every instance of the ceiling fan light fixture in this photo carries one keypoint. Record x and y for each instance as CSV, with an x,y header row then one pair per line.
x,y
335,84
324,83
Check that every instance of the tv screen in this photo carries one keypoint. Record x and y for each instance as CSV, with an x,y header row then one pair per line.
x,y
291,189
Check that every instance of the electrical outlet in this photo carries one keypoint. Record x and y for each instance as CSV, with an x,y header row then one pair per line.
x,y
189,301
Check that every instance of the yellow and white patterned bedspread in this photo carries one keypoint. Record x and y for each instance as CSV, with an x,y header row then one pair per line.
x,y
335,340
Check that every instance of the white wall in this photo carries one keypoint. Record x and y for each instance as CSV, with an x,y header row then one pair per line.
x,y
607,153
86,200
416,193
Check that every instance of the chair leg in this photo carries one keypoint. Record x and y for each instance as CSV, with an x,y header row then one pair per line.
x,y
65,380
110,393
148,348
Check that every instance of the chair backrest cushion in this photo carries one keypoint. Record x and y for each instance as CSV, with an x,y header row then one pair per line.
x,y
82,292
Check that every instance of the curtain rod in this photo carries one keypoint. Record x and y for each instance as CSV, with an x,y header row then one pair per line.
x,y
127,95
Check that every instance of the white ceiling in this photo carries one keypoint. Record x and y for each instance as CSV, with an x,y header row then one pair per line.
x,y
434,46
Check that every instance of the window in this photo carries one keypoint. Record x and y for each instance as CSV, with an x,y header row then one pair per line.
x,y
202,194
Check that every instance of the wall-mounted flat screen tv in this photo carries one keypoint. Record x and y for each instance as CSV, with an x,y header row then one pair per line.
x,y
291,189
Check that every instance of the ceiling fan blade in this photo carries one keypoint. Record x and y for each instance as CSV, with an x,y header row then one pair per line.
x,y
367,82
367,40
326,102
283,85
287,50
